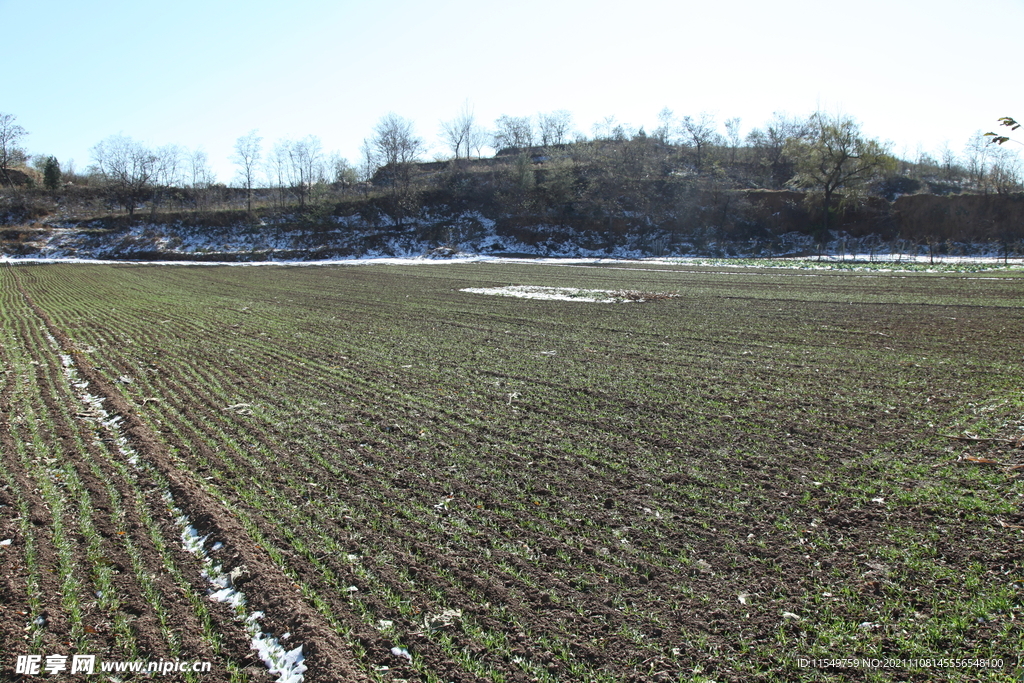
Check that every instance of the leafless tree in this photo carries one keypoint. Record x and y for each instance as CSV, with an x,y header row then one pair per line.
x,y
10,148
461,133
732,134
128,169
977,155
306,164
169,171
1005,172
513,132
367,161
201,177
478,139
394,141
949,164
276,168
771,144
248,149
392,150
666,130
700,133
992,167
609,128
298,166
554,127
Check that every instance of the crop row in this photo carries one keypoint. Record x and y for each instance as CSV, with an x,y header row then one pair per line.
x,y
101,574
584,491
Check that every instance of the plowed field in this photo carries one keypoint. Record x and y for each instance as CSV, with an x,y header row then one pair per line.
x,y
767,476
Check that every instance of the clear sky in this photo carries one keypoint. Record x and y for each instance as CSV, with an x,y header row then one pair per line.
x,y
201,73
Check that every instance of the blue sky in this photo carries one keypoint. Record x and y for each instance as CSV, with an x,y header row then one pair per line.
x,y
202,73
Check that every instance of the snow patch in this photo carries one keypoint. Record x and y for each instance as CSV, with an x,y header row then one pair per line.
x,y
598,296
287,664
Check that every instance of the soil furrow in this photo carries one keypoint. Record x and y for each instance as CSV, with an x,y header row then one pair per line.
x,y
328,657
706,484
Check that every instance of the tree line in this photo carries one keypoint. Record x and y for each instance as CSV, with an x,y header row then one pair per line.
x,y
547,164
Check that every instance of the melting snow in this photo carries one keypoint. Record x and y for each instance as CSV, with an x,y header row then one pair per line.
x,y
599,296
287,664
620,257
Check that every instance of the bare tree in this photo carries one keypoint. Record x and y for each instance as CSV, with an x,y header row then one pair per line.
x,y
1005,171
977,156
460,133
201,177
949,163
298,166
732,134
306,165
69,172
394,142
513,132
10,149
990,166
168,172
247,158
392,150
609,128
700,133
170,168
367,161
127,168
771,146
665,132
554,127
478,139
276,169
309,154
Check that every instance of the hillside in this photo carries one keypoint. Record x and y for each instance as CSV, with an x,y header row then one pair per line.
x,y
628,197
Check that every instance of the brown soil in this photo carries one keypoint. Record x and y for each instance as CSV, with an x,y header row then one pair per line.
x,y
266,588
552,492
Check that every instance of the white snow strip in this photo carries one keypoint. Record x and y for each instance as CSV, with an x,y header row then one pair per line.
x,y
597,296
287,664
891,265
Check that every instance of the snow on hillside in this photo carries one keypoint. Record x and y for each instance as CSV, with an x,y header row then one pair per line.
x,y
471,235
